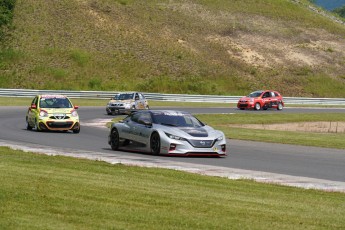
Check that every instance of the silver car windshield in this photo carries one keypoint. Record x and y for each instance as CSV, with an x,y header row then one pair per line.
x,y
176,120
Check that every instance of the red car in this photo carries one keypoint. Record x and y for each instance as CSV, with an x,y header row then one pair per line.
x,y
262,99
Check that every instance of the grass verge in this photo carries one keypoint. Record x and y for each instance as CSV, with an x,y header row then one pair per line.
x,y
224,121
24,101
45,192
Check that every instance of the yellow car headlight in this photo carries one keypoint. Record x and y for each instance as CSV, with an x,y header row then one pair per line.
x,y
74,113
43,113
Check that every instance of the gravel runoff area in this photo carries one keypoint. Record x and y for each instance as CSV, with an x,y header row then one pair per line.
x,y
231,173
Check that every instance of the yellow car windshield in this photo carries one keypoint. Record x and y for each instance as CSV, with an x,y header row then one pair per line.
x,y
55,103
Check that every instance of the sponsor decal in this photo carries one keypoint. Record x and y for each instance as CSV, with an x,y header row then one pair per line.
x,y
52,96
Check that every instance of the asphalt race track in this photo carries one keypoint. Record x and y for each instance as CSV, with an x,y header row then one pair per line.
x,y
296,161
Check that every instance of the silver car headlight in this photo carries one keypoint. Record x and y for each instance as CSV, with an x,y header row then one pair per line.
x,y
175,137
220,138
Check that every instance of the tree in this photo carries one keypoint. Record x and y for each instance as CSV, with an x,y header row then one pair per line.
x,y
340,11
6,14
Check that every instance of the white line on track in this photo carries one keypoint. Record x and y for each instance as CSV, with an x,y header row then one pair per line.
x,y
98,123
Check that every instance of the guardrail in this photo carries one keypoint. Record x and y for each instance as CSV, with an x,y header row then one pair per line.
x,y
164,97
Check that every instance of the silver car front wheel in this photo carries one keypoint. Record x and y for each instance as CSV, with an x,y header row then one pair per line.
x,y
114,139
155,144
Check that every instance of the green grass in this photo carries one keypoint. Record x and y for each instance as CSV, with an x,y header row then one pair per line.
x,y
183,47
46,192
24,101
223,122
323,85
271,118
325,140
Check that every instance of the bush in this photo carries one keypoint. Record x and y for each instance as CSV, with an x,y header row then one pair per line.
x,y
340,11
6,15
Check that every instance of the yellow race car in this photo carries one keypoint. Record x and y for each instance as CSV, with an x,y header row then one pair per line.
x,y
52,112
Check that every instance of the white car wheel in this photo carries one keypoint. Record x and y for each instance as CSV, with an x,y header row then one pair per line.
x,y
257,106
280,106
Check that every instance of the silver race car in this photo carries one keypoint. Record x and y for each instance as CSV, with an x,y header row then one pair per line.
x,y
166,132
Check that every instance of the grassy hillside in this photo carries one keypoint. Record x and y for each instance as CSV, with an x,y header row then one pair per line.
x,y
182,46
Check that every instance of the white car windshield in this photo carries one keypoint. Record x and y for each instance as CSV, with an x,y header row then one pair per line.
x,y
124,96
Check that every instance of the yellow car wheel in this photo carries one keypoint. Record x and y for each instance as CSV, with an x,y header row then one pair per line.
x,y
28,126
76,130
37,127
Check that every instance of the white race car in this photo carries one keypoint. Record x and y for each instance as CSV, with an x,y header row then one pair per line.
x,y
166,132
122,103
